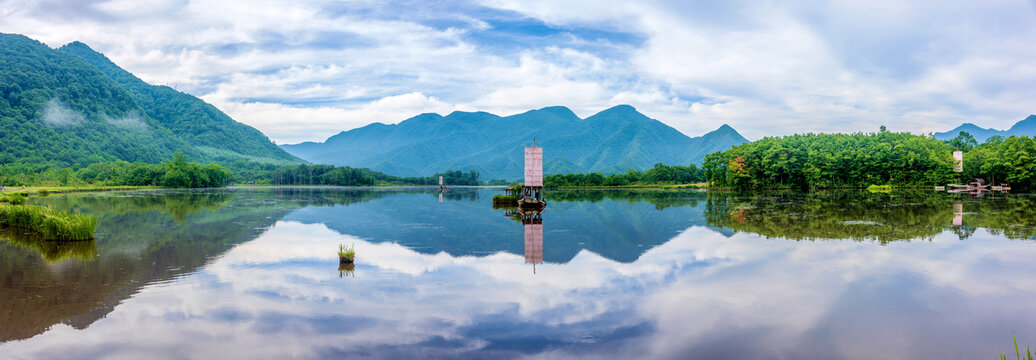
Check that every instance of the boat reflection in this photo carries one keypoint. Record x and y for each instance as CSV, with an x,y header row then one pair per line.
x,y
532,224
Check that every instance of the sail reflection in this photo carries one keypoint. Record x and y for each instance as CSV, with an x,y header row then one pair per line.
x,y
532,221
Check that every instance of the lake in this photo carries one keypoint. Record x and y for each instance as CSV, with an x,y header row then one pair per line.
x,y
254,273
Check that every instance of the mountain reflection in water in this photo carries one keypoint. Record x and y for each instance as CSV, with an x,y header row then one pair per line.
x,y
673,274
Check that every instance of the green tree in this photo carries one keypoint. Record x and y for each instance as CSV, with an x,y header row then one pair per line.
x,y
963,142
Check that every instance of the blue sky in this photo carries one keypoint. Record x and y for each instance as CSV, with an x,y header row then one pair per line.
x,y
306,70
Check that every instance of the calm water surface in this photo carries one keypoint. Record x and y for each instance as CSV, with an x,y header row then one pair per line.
x,y
253,273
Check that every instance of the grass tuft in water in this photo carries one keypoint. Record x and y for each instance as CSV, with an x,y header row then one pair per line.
x,y
50,224
346,252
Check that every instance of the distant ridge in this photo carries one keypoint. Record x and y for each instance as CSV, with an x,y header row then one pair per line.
x,y
1025,127
612,141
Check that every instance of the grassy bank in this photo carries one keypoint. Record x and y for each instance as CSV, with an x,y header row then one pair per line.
x,y
47,190
50,224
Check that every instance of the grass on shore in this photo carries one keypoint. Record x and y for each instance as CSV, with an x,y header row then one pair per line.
x,y
46,190
50,224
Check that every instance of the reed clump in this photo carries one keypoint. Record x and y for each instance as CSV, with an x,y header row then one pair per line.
x,y
50,224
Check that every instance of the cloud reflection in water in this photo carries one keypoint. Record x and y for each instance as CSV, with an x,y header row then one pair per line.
x,y
700,295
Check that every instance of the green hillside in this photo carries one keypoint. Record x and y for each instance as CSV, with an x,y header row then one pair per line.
x,y
72,107
58,109
612,141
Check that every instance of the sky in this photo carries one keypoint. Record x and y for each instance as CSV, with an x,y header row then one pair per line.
x,y
303,71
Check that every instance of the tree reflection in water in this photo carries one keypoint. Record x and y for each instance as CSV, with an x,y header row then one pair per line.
x,y
881,217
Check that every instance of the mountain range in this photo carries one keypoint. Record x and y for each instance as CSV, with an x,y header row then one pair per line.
x,y
612,141
1026,127
72,106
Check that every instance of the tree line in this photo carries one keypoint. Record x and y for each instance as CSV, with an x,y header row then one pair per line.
x,y
659,174
176,173
812,161
180,173
305,174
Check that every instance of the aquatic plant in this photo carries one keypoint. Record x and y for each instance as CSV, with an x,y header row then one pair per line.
x,y
346,252
51,224
1017,353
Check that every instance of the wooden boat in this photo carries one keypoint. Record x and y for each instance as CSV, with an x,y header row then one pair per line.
x,y
977,184
531,203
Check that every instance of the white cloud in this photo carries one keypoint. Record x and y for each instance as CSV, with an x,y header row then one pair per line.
x,y
764,68
693,290
297,124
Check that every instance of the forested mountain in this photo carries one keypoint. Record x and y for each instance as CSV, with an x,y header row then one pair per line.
x,y
57,109
612,141
1026,127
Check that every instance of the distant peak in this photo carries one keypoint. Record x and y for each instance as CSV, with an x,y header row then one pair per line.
x,y
77,43
559,111
460,113
79,47
624,108
620,111
725,130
